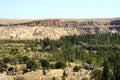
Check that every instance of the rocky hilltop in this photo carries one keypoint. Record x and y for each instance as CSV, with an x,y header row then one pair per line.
x,y
55,28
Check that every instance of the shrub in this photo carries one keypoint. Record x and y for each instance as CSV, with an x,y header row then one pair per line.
x,y
52,66
19,78
6,60
44,71
32,65
64,74
24,59
2,66
11,69
91,67
53,78
84,79
86,65
96,74
14,51
45,63
76,68
60,64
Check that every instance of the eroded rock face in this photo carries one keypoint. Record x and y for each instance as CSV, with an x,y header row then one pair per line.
x,y
55,28
57,23
115,22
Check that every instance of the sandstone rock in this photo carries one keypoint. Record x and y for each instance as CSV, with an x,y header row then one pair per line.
x,y
55,28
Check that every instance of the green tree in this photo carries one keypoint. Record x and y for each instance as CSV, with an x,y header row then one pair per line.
x,y
96,74
11,69
64,75
106,72
45,63
44,70
117,72
76,68
14,51
6,59
60,64
32,65
24,59
3,66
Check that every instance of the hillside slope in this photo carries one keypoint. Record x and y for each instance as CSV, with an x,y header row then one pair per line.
x,y
55,28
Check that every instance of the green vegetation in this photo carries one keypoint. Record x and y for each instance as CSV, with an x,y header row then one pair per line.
x,y
14,51
60,64
96,74
53,78
32,65
76,68
64,75
19,78
97,52
45,63
84,79
44,71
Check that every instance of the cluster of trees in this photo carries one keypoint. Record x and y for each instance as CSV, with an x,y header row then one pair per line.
x,y
93,50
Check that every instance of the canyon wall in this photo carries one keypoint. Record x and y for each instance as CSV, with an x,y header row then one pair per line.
x,y
55,28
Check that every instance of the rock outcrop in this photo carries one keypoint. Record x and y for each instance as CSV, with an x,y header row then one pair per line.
x,y
55,28
58,23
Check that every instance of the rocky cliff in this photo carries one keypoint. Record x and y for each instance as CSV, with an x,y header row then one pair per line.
x,y
55,28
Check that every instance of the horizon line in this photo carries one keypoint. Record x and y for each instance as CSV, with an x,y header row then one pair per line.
x,y
65,18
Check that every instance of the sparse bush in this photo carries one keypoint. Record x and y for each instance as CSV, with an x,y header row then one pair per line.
x,y
52,66
76,68
11,69
53,78
60,64
24,70
32,65
45,63
14,51
6,60
44,71
84,79
86,65
2,66
19,78
91,67
24,59
64,75
96,74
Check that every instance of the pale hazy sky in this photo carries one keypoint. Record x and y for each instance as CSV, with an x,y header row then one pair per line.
x,y
59,8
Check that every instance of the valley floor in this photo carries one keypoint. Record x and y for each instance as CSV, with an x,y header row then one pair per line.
x,y
56,73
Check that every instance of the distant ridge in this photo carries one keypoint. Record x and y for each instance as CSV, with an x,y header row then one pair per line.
x,y
55,28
